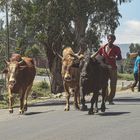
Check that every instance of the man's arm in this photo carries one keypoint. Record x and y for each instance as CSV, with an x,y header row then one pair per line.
x,y
94,55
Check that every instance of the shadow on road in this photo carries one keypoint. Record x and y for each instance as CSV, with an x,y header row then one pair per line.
x,y
112,113
34,113
57,102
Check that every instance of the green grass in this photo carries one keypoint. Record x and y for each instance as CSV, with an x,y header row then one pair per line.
x,y
41,89
125,76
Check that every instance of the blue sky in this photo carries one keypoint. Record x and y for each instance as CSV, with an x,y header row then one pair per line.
x,y
129,29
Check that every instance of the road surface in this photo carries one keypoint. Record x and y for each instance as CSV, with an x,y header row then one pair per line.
x,y
49,122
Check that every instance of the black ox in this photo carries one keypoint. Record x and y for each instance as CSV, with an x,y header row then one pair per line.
x,y
93,78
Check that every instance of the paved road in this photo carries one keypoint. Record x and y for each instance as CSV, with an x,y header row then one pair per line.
x,y
49,122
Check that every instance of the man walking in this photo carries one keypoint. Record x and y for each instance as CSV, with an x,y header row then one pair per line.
x,y
111,53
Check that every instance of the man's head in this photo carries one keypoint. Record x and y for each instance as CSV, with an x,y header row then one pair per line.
x,y
111,38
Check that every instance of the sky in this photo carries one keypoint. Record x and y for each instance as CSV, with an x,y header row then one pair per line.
x,y
129,29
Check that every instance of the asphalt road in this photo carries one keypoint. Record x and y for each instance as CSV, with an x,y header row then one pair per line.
x,y
49,122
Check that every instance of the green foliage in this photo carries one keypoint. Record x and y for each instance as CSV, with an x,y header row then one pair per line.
x,y
128,65
2,81
32,51
47,19
41,88
129,62
125,76
41,71
4,101
134,48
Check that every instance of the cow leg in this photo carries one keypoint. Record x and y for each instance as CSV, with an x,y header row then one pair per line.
x,y
103,107
22,94
26,96
67,107
77,99
96,105
10,101
93,100
84,107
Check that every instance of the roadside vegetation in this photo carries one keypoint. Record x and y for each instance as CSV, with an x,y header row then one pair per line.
x,y
41,91
125,76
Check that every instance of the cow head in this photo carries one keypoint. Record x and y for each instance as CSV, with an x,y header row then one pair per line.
x,y
69,66
84,64
12,71
87,65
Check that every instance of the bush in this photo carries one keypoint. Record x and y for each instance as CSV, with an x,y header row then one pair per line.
x,y
2,81
41,89
125,76
41,72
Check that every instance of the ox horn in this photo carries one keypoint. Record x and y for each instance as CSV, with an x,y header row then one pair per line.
x,y
20,62
79,51
56,53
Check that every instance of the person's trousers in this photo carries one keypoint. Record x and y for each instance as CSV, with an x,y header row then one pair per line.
x,y
113,83
135,80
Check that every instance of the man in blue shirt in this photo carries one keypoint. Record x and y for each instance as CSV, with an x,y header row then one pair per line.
x,y
136,72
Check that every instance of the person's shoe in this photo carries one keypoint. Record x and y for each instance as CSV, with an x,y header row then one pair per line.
x,y
111,103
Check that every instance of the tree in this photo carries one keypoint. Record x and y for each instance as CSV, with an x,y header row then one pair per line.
x,y
60,23
134,48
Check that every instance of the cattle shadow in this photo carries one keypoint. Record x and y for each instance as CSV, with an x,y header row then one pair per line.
x,y
35,113
49,103
112,113
108,113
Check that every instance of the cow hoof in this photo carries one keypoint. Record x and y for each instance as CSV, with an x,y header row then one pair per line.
x,y
10,111
66,109
84,108
102,109
95,110
21,112
25,108
90,112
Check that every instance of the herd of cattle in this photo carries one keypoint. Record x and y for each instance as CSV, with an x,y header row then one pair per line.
x,y
81,73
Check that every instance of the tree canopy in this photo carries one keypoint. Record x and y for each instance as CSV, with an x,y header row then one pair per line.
x,y
61,23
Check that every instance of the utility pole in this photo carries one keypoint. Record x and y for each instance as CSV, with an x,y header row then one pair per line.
x,y
7,25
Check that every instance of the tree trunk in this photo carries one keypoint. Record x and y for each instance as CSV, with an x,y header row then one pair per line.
x,y
56,78
54,64
80,27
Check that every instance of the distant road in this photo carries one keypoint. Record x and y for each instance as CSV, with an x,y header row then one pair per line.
x,y
37,78
41,78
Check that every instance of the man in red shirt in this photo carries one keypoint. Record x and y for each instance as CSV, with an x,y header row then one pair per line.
x,y
111,53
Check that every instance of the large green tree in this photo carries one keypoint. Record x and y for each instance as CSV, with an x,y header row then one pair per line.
x,y
61,23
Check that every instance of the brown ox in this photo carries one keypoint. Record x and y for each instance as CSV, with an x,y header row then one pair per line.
x,y
70,74
20,74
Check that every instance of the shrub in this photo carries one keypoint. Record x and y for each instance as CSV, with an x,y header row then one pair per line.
x,y
41,88
2,81
41,71
125,76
